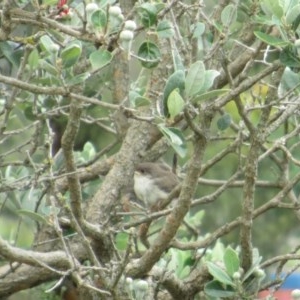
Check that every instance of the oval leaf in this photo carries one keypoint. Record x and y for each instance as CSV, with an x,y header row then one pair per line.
x,y
198,30
219,274
175,81
46,43
175,138
100,58
48,67
289,57
175,103
270,40
211,94
70,55
224,122
165,29
32,215
177,60
33,59
148,14
231,261
292,14
77,79
149,54
99,18
209,77
217,290
195,78
272,7
141,101
229,15
289,81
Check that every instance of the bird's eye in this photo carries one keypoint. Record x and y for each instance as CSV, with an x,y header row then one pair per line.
x,y
142,171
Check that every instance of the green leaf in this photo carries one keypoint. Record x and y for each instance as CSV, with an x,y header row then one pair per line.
x,y
198,30
177,60
33,59
122,241
217,290
198,80
32,215
88,151
8,51
132,96
172,135
70,55
195,219
14,199
231,261
46,43
100,58
99,19
148,14
217,253
175,103
296,23
195,78
263,19
28,113
219,274
229,14
272,7
80,78
175,81
164,29
256,257
175,138
270,40
149,55
211,94
209,77
141,101
288,4
289,80
292,15
288,56
48,67
224,122
137,100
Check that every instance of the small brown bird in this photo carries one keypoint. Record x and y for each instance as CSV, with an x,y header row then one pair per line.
x,y
153,182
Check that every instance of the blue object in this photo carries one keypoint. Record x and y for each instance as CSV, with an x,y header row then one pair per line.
x,y
291,282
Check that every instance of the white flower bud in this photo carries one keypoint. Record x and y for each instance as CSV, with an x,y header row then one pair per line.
x,y
236,276
295,294
130,25
142,285
259,273
297,43
129,280
126,35
115,11
121,17
91,7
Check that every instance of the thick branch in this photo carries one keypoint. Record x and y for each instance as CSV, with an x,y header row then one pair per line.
x,y
68,141
173,221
